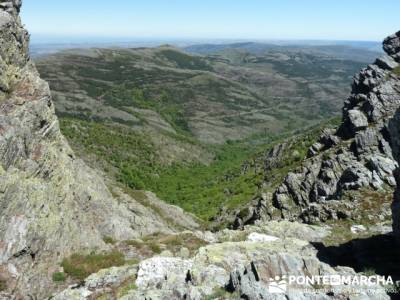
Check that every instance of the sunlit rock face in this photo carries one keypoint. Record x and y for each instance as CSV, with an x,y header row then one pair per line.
x,y
51,203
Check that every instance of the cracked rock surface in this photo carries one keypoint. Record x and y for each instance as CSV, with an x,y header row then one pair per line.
x,y
51,203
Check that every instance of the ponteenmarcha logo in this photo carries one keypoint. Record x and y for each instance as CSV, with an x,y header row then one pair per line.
x,y
280,284
277,285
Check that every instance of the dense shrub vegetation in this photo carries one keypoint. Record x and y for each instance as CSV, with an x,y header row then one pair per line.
x,y
79,266
198,188
58,277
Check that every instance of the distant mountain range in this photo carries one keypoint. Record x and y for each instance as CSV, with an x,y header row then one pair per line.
x,y
357,51
43,46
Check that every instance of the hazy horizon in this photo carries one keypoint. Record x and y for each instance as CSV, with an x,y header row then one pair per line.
x,y
47,45
45,38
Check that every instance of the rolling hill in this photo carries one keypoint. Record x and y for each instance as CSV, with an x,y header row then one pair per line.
x,y
180,124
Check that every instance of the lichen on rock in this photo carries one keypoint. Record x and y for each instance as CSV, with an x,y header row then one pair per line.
x,y
51,203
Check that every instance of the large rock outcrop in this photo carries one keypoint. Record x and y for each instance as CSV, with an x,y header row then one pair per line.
x,y
51,203
361,153
237,265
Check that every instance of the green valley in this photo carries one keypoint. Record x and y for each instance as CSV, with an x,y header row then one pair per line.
x,y
194,129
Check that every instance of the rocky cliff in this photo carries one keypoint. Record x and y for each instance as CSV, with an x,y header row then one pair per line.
x,y
51,203
361,154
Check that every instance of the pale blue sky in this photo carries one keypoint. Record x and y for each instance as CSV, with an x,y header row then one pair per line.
x,y
231,19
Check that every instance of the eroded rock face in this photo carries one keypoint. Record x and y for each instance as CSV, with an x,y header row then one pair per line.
x,y
51,203
14,48
360,154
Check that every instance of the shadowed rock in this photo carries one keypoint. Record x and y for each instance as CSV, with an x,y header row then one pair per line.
x,y
392,46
